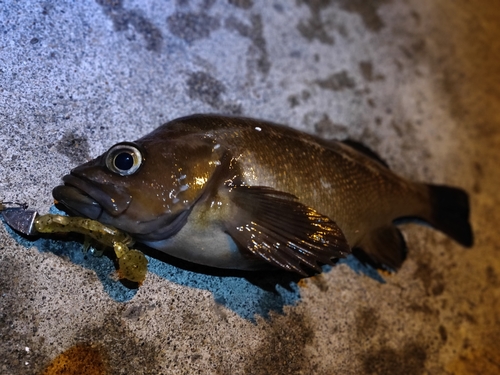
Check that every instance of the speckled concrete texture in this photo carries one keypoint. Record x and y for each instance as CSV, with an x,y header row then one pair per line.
x,y
417,81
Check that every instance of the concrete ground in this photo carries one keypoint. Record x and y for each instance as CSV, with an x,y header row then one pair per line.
x,y
417,81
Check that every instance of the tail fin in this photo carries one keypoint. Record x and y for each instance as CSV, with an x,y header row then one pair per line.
x,y
450,213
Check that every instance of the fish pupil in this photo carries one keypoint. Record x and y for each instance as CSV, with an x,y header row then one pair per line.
x,y
124,161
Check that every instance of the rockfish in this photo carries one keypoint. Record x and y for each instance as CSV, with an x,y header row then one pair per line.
x,y
239,193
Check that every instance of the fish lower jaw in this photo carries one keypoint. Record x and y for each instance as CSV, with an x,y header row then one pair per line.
x,y
77,202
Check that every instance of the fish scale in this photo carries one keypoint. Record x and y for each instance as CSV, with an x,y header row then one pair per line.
x,y
362,191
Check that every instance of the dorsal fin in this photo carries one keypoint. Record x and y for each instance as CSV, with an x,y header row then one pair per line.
x,y
365,151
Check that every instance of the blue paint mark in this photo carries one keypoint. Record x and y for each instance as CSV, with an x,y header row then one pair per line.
x,y
361,268
102,266
235,293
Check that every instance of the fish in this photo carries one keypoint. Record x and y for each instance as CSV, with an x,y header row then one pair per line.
x,y
246,194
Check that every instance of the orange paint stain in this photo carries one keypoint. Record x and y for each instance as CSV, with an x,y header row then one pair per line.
x,y
79,359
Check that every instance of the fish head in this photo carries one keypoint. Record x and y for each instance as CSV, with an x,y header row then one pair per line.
x,y
145,188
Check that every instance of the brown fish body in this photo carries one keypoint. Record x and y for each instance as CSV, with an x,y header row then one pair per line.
x,y
239,193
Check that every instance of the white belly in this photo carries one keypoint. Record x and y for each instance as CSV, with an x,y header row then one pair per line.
x,y
207,245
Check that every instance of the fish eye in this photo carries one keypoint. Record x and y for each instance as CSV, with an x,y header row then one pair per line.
x,y
124,159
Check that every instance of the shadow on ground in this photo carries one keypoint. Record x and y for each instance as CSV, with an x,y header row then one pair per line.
x,y
246,293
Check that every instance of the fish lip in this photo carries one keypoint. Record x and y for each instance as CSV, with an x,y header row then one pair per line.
x,y
81,196
78,182
76,202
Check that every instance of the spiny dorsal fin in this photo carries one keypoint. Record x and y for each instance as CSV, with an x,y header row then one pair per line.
x,y
365,151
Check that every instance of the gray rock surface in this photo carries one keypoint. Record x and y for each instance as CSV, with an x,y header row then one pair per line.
x,y
417,81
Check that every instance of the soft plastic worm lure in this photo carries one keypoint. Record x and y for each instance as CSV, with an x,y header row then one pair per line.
x,y
132,264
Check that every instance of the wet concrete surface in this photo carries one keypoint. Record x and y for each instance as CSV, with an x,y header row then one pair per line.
x,y
417,81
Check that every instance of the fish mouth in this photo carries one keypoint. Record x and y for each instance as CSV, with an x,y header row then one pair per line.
x,y
105,203
73,196
86,198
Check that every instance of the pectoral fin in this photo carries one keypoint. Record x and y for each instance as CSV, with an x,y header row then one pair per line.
x,y
276,227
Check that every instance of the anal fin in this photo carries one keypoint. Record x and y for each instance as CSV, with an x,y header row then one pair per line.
x,y
385,247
